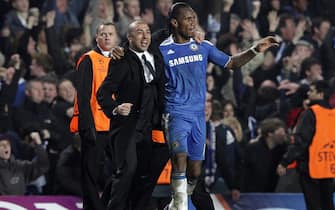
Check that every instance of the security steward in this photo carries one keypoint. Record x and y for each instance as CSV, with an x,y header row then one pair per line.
x,y
88,118
314,148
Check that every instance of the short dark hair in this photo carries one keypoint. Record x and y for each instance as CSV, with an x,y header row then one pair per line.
x,y
283,18
4,137
175,11
50,78
317,21
307,63
45,61
269,125
176,8
322,86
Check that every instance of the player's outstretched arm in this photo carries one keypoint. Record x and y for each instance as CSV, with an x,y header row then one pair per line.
x,y
244,57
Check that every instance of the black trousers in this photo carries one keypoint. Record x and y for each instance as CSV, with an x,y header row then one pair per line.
x,y
150,165
92,163
318,193
124,163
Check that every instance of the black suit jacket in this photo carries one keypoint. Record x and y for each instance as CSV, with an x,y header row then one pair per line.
x,y
125,80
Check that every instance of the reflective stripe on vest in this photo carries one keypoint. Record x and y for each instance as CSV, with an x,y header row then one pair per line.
x,y
322,148
164,178
158,136
100,65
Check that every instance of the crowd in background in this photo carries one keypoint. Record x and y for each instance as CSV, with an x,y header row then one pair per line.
x,y
40,42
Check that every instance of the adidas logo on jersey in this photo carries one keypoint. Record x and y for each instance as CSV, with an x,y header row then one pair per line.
x,y
170,52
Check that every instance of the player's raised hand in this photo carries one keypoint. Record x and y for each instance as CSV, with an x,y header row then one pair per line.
x,y
265,43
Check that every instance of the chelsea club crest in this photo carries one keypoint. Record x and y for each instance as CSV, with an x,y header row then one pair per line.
x,y
194,47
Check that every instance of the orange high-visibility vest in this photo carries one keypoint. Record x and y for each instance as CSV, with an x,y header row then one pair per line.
x,y
100,65
322,149
164,178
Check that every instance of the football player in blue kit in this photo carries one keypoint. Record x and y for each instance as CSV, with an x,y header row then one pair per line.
x,y
185,64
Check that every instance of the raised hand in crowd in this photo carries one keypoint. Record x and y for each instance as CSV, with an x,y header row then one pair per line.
x,y
33,17
50,18
290,87
300,29
250,28
273,19
227,4
256,7
148,16
35,138
119,8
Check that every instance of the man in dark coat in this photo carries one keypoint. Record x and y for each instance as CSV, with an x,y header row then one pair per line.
x,y
136,84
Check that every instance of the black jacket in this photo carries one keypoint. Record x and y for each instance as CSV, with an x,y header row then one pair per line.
x,y
68,172
33,116
125,80
259,166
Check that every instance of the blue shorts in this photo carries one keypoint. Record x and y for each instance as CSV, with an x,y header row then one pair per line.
x,y
187,134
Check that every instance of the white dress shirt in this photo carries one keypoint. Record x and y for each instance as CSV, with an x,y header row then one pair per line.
x,y
147,74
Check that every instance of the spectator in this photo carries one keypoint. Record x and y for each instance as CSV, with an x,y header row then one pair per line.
x,y
68,13
50,88
128,11
286,29
262,157
62,108
292,64
99,11
16,174
311,70
222,154
8,88
320,27
161,14
35,115
21,18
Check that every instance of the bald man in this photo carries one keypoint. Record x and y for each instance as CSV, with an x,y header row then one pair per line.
x,y
136,81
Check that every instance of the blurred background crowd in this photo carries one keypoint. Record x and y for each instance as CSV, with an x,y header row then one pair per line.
x,y
41,40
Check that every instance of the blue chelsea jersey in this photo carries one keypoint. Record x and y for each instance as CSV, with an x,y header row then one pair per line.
x,y
185,70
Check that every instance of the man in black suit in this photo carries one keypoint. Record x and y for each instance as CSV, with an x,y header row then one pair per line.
x,y
136,83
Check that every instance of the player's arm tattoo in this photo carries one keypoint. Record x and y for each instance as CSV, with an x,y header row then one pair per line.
x,y
240,59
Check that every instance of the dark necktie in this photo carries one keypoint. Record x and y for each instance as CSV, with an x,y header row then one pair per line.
x,y
148,64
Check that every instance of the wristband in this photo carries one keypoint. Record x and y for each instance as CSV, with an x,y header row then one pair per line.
x,y
253,49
